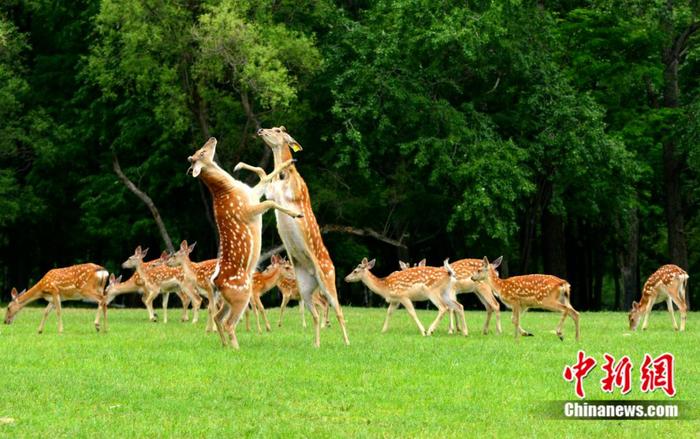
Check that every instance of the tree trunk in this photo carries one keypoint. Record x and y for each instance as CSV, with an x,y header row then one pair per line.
x,y
628,261
146,200
553,244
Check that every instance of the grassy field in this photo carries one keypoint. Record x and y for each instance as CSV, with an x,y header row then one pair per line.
x,y
158,380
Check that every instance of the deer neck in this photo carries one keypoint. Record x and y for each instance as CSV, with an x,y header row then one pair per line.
x,y
217,180
145,278
270,278
188,269
281,155
29,296
496,282
375,284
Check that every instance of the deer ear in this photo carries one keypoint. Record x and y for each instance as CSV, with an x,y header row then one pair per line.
x,y
402,265
119,279
370,264
191,247
13,293
635,305
138,250
293,143
486,261
364,261
111,278
183,244
497,262
165,254
144,252
422,263
284,130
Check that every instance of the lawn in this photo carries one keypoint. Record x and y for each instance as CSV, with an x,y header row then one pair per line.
x,y
144,379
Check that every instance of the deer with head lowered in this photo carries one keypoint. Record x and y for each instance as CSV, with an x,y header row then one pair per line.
x,y
290,291
411,285
667,283
302,240
529,291
158,278
238,213
78,282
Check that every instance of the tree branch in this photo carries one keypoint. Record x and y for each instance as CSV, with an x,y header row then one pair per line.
x,y
363,232
146,200
273,251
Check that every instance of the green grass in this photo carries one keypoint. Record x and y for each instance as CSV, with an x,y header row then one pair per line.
x,y
155,380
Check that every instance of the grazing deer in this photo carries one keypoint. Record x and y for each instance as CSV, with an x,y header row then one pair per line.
x,y
198,277
668,282
529,291
158,278
263,282
290,291
238,213
412,285
78,282
302,239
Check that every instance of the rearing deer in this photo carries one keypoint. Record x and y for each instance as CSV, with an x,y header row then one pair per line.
x,y
78,282
302,239
529,291
238,213
668,282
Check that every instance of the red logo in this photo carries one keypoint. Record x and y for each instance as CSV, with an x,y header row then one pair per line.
x,y
657,373
619,375
578,371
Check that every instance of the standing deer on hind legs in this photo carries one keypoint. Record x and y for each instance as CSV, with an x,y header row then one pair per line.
x,y
238,213
668,282
302,239
78,282
530,291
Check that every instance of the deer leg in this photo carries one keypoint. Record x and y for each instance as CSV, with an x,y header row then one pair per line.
x,y
247,319
327,285
669,303
412,312
451,329
389,311
646,314
261,208
97,316
211,308
104,313
307,284
185,299
191,294
47,310
147,299
302,310
285,300
218,321
256,310
484,293
259,171
260,307
59,313
166,299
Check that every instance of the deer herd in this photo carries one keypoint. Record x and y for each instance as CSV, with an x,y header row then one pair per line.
x,y
232,286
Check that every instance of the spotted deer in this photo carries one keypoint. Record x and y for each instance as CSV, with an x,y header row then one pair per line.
x,y
529,291
465,268
158,278
302,240
264,281
198,277
290,291
78,282
413,284
668,282
238,213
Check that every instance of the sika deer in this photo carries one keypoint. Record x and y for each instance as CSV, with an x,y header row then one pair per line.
x,y
238,213
668,282
78,282
529,291
412,285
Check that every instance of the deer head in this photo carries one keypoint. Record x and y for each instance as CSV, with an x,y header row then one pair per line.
x,y
135,259
360,271
14,306
113,282
277,138
483,274
203,158
182,256
635,316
